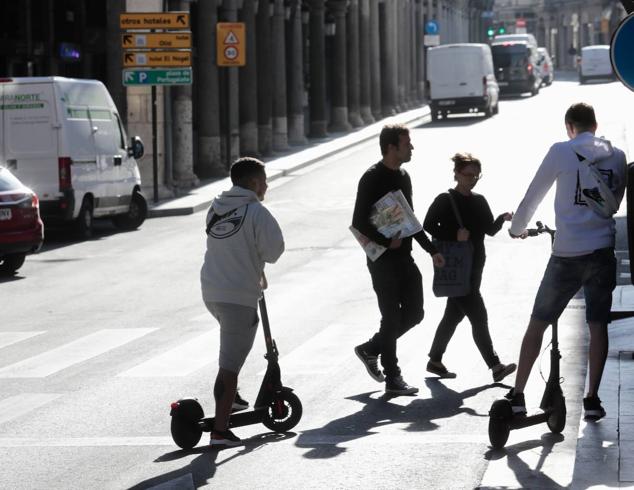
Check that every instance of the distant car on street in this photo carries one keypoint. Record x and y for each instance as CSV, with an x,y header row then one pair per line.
x,y
21,229
546,66
595,63
461,80
516,63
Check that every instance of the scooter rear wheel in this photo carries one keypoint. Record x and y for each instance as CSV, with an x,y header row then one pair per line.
x,y
185,429
283,412
557,419
500,417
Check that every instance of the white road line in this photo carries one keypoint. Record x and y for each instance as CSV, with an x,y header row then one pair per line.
x,y
8,338
311,357
180,361
18,405
72,353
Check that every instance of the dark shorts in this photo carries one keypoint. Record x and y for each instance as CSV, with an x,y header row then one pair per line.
x,y
564,276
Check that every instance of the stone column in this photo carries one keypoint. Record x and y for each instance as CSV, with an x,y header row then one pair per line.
x,y
317,96
375,60
230,14
400,51
354,80
265,78
210,163
389,60
296,133
339,110
182,129
365,82
249,86
420,52
114,52
280,130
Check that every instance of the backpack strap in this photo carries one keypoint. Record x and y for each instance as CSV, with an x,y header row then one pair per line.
x,y
455,209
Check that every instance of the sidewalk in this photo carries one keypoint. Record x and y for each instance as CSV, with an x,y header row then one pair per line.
x,y
200,198
605,449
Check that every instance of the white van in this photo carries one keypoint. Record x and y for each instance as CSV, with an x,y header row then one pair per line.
x,y
64,139
595,63
460,79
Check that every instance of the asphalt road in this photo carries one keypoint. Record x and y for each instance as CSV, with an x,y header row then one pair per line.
x,y
97,338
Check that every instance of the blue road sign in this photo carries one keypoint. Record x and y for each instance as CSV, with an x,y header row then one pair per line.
x,y
431,27
621,51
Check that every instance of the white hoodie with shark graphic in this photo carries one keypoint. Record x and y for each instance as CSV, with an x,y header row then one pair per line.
x,y
580,230
239,243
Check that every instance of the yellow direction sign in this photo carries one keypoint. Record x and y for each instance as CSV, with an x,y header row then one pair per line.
x,y
230,44
163,40
157,58
154,20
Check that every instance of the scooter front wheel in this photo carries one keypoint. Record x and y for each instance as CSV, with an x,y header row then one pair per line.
x,y
283,412
557,419
500,417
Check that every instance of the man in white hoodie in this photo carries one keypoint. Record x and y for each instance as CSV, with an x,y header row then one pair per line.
x,y
242,235
583,251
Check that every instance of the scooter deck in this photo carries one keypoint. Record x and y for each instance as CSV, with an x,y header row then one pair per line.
x,y
236,420
519,422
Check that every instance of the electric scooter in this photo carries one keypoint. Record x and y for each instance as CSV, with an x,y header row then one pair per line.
x,y
553,404
276,406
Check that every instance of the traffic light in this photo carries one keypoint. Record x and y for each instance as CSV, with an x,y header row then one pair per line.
x,y
490,31
501,30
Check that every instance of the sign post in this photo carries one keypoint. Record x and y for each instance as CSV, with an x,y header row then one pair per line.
x,y
230,51
148,50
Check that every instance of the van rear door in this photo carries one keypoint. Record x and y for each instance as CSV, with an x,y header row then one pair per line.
x,y
30,136
456,72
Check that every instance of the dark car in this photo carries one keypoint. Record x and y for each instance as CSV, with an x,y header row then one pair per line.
x,y
516,67
21,229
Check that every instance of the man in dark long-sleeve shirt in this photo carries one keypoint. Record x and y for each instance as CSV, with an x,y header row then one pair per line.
x,y
396,279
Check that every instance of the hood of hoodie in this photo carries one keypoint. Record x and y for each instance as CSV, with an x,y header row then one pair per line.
x,y
232,199
591,148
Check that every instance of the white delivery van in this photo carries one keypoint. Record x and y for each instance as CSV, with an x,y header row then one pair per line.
x,y
595,63
64,139
460,79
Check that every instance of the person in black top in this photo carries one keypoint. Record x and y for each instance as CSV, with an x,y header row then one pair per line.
x,y
442,224
396,280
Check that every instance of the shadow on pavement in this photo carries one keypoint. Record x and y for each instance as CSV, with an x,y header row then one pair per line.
x,y
526,476
324,442
203,467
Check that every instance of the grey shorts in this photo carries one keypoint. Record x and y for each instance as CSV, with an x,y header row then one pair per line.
x,y
238,326
564,276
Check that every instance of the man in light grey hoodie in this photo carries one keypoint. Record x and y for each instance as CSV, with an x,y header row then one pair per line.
x,y
242,235
583,251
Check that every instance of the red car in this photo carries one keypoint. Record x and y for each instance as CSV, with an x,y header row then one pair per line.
x,y
21,229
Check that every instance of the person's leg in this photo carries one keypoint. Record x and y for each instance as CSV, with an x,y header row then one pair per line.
x,y
531,344
411,297
446,328
224,393
597,355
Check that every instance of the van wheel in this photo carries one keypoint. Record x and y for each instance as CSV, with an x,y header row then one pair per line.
x,y
9,264
83,223
135,216
434,116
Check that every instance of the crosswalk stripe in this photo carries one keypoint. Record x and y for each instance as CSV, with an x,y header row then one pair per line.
x,y
74,352
180,361
317,354
8,338
18,405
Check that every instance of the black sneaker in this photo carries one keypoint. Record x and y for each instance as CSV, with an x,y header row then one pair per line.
x,y
398,386
370,362
437,367
592,409
518,405
224,438
501,371
239,403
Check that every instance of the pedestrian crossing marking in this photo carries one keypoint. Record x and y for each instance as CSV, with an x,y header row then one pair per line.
x,y
8,338
180,361
310,358
18,405
74,352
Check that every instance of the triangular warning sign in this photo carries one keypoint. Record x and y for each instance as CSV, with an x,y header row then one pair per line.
x,y
231,38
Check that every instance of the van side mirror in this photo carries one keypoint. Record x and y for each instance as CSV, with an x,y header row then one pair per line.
x,y
136,148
